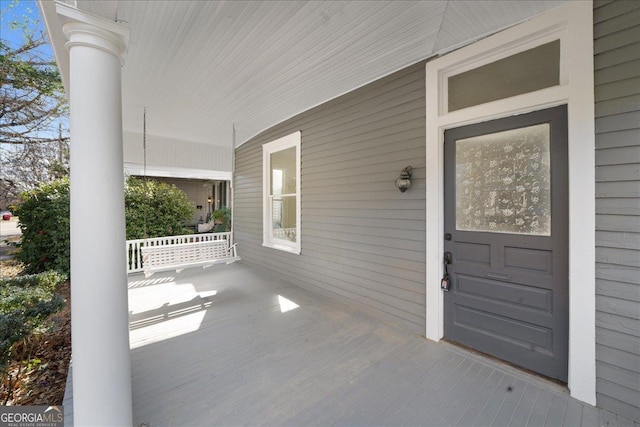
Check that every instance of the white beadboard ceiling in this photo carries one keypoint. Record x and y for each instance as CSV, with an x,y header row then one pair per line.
x,y
201,66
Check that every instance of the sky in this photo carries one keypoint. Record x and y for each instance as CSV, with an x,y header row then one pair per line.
x,y
12,11
12,15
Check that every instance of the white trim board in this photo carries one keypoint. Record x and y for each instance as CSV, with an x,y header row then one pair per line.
x,y
572,23
174,172
292,140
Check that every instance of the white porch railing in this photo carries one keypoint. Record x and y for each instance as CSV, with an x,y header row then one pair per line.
x,y
285,234
134,254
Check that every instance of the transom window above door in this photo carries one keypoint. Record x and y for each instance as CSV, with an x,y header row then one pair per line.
x,y
523,72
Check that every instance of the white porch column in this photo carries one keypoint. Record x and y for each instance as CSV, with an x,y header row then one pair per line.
x,y
99,303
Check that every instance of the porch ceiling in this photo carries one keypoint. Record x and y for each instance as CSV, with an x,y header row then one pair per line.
x,y
201,66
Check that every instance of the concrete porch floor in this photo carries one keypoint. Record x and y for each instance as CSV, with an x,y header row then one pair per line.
x,y
234,345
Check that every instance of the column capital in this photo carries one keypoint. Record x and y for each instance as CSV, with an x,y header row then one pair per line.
x,y
84,29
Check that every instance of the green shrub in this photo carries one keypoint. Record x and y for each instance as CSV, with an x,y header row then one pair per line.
x,y
222,218
155,209
25,302
44,221
159,209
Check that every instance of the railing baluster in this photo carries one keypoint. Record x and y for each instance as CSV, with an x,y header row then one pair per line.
x,y
134,253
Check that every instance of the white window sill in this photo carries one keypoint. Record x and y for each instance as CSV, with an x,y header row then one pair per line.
x,y
283,248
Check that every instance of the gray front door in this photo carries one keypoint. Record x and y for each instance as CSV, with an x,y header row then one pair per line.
x,y
506,230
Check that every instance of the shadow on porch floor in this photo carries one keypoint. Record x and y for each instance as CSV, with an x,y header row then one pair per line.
x,y
234,345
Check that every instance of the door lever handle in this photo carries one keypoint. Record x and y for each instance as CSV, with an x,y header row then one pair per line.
x,y
445,283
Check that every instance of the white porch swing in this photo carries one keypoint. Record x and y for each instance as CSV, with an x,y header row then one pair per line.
x,y
178,255
187,255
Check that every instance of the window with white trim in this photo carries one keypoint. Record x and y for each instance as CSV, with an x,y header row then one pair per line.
x,y
281,193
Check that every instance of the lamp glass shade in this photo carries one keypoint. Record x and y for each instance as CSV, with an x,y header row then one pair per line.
x,y
403,184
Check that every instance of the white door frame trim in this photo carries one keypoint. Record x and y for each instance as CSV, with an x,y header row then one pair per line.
x,y
572,23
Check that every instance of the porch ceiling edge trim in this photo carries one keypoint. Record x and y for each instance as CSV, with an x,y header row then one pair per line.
x,y
173,172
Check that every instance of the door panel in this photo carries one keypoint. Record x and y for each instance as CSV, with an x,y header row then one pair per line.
x,y
506,211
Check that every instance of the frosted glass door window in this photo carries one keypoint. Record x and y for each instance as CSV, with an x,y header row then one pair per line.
x,y
503,182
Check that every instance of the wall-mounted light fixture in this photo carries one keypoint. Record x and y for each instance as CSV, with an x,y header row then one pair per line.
x,y
404,180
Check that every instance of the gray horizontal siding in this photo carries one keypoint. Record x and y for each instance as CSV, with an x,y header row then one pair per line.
x,y
363,241
617,90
